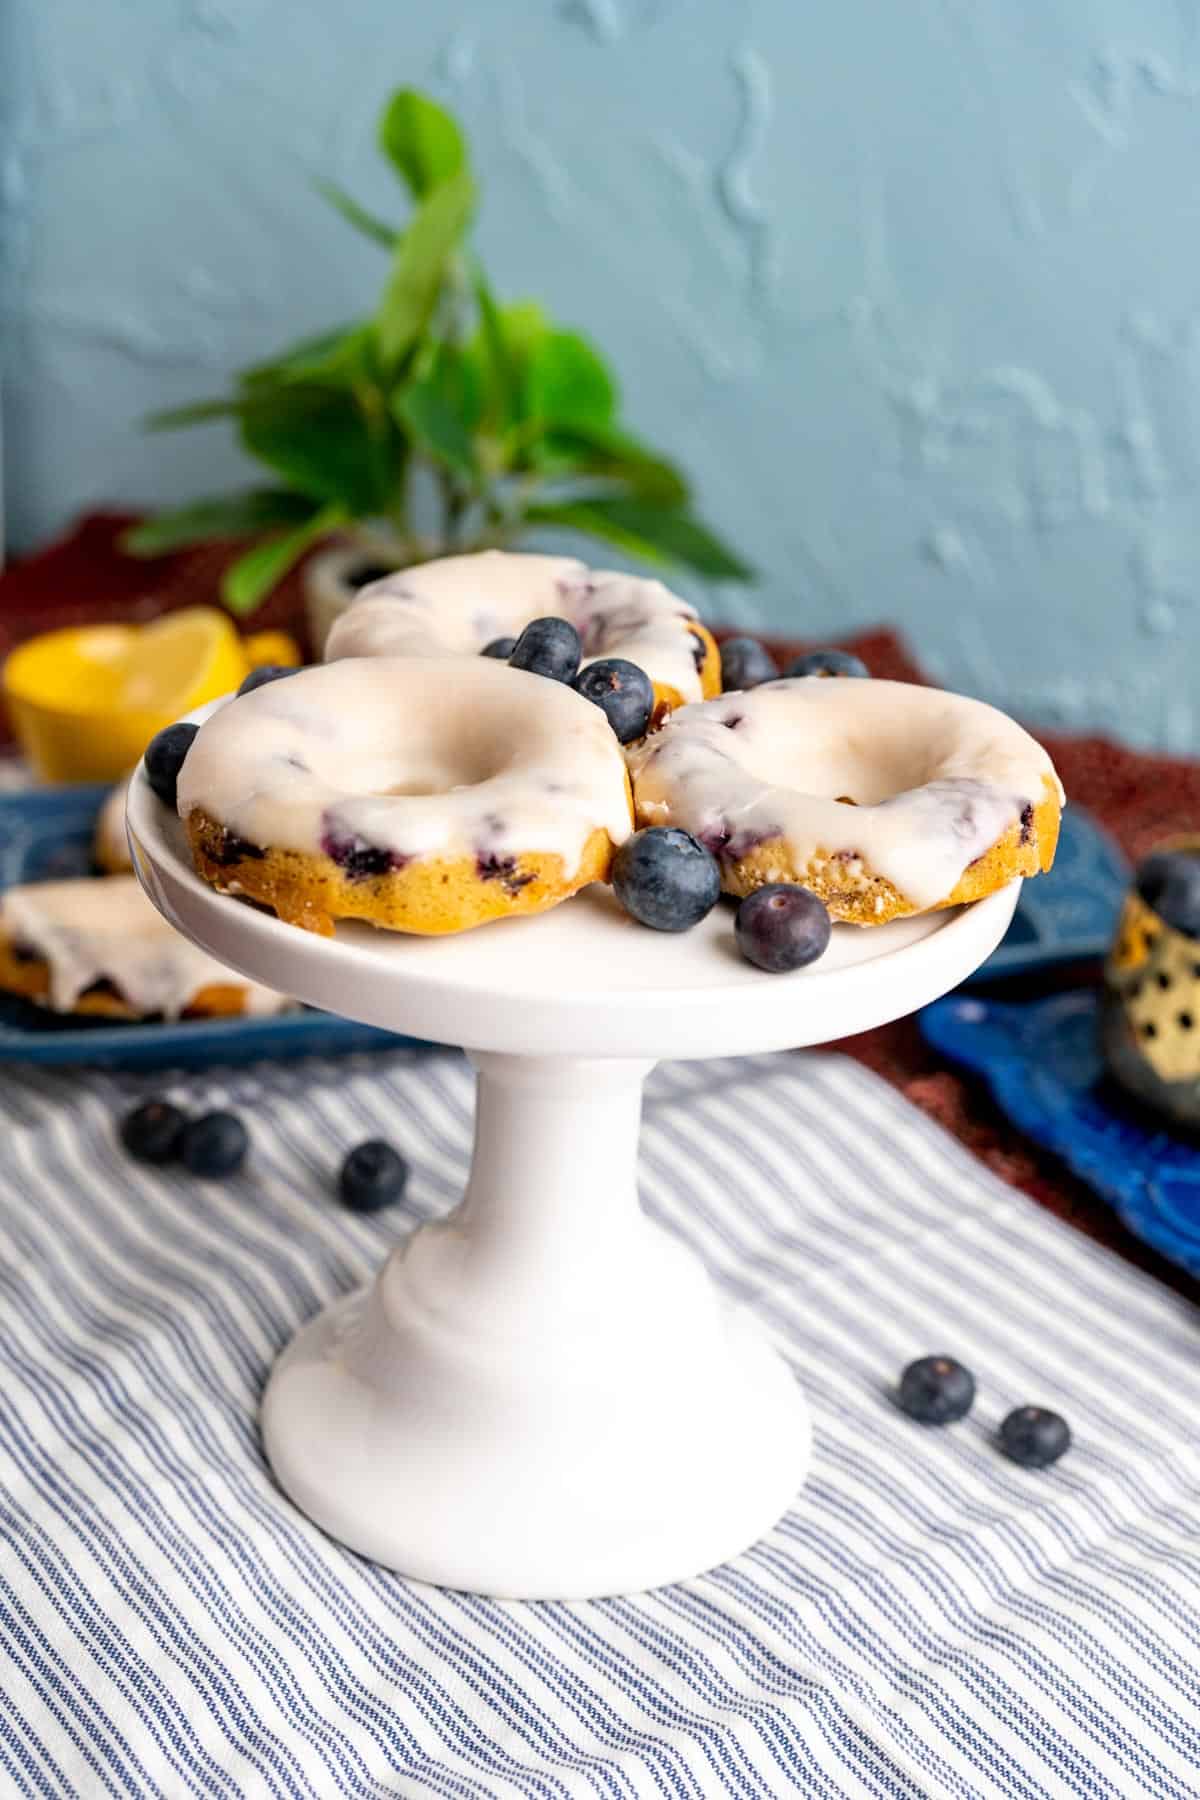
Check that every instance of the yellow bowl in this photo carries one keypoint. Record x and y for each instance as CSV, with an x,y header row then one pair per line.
x,y
85,701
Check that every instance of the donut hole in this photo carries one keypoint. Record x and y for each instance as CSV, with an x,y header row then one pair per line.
x,y
823,760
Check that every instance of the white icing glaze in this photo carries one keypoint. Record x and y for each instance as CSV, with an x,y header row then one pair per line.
x,y
111,843
460,603
411,758
105,929
937,778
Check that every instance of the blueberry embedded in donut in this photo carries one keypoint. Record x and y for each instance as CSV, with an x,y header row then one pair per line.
x,y
232,849
730,843
500,648
504,869
357,859
623,692
839,664
699,650
1027,824
745,663
550,647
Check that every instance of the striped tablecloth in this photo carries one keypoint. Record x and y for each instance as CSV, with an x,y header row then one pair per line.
x,y
927,1620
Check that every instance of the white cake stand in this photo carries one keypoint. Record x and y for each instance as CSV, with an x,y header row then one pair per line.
x,y
543,1395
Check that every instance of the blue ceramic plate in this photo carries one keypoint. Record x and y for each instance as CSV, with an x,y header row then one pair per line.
x,y
1042,1063
46,835
1071,914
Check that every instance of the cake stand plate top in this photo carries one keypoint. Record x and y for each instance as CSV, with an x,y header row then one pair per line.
x,y
583,979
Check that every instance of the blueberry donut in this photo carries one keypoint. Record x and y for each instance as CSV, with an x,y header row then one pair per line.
x,y
96,947
423,794
883,798
460,604
110,846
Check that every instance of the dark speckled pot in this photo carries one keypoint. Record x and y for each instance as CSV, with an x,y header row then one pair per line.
x,y
1150,1013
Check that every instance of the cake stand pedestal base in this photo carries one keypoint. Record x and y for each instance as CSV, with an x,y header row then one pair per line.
x,y
542,1395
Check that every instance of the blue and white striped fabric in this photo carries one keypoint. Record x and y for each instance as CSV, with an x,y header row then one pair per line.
x,y
927,1620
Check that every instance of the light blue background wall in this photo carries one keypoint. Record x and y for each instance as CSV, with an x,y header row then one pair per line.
x,y
912,285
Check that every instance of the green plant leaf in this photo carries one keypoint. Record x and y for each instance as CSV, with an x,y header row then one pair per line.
x,y
339,357
419,265
654,533
443,409
588,452
197,412
567,382
224,516
325,442
421,140
378,230
490,353
251,578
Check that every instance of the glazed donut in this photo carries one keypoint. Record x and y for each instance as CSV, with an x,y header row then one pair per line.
x,y
459,604
425,795
110,846
883,798
98,948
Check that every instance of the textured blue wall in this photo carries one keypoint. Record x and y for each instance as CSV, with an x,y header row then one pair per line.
x,y
914,288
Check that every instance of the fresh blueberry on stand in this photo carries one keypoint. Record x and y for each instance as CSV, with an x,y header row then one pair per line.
x,y
373,1175
213,1145
623,692
830,663
665,879
151,1132
501,648
745,663
548,647
782,927
1034,1437
936,1390
164,758
1169,882
268,672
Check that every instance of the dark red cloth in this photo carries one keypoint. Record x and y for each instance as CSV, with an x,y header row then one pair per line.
x,y
1140,798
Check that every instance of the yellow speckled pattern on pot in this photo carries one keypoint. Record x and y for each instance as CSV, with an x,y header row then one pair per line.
x,y
1152,1005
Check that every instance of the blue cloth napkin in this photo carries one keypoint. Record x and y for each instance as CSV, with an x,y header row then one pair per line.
x,y
927,1620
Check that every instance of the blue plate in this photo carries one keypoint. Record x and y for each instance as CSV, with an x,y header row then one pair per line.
x,y
46,835
1071,914
1042,1063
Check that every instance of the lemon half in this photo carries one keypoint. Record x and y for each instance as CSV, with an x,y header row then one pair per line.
x,y
86,701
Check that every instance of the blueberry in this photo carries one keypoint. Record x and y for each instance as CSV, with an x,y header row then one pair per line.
x,y
151,1132
1034,1437
268,672
665,879
500,648
359,860
623,692
164,759
214,1144
745,663
829,662
548,647
781,927
373,1175
936,1390
1169,882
